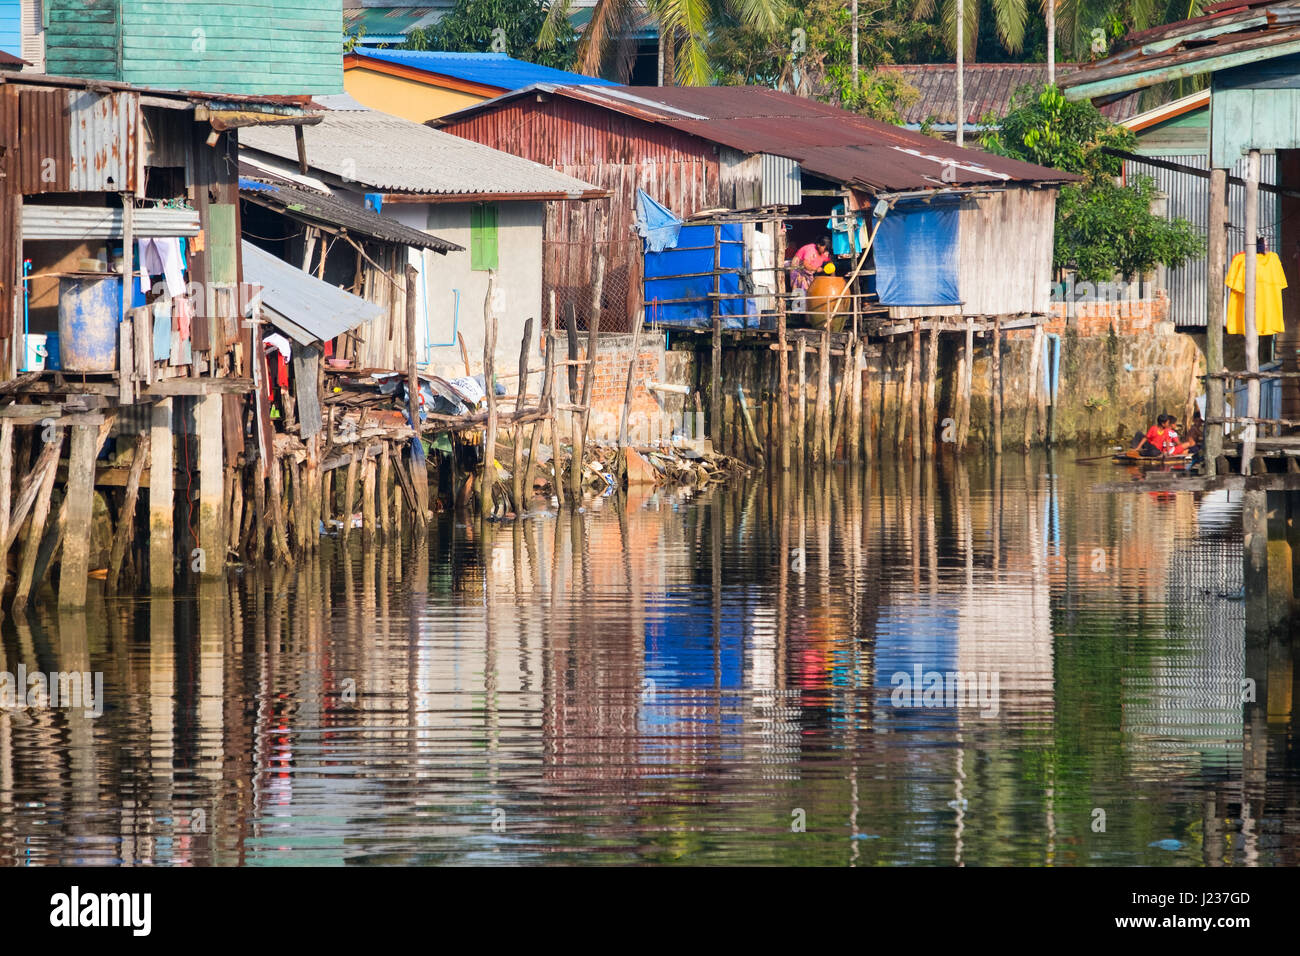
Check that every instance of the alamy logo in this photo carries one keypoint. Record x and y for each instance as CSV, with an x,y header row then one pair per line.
x,y
75,690
974,689
75,909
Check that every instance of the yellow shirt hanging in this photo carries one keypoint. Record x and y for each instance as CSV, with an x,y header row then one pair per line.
x,y
1270,280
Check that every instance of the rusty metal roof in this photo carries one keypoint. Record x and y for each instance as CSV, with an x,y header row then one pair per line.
x,y
988,89
1231,34
826,141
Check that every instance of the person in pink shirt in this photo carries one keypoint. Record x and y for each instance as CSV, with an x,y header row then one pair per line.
x,y
808,261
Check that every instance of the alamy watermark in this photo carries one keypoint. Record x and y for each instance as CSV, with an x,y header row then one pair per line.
x,y
67,690
974,689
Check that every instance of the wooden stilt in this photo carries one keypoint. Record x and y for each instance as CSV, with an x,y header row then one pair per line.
x,y
385,491
841,402
521,394
914,390
368,500
868,417
125,531
546,401
715,381
261,519
1216,269
822,448
997,385
904,400
964,386
853,368
419,468
79,495
489,478
588,381
801,430
40,512
783,379
275,503
931,382
162,478
327,497
6,491
208,424
349,495
1031,403
236,509
628,390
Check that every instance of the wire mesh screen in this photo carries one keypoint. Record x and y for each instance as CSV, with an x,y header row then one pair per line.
x,y
569,272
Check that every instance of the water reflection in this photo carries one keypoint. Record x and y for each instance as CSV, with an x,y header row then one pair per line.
x,y
707,679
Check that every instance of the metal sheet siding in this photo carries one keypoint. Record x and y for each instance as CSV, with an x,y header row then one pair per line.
x,y
102,142
44,151
1189,199
78,223
782,181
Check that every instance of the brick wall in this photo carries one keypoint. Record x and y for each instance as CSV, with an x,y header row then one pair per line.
x,y
613,356
1129,316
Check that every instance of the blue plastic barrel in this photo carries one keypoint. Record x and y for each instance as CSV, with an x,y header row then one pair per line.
x,y
90,310
52,357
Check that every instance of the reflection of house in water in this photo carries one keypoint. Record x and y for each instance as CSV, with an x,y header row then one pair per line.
x,y
1190,699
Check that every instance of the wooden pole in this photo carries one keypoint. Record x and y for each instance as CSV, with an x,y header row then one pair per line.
x,y
822,448
125,531
931,387
1031,396
521,394
627,397
783,383
212,538
854,369
801,431
40,512
349,494
280,533
588,381
961,416
488,481
546,402
1249,318
904,401
914,366
368,494
715,381
6,493
162,546
80,491
1216,269
419,468
997,385
868,432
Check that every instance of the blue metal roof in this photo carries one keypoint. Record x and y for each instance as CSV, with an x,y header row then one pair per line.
x,y
489,69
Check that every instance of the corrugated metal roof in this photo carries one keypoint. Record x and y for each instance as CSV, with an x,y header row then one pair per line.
x,y
498,70
396,155
304,307
1227,34
314,207
826,141
82,223
987,89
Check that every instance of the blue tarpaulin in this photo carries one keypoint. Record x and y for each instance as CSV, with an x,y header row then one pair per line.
x,y
916,255
655,223
686,273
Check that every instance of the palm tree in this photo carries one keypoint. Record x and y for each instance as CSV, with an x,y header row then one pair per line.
x,y
684,30
1009,17
1076,20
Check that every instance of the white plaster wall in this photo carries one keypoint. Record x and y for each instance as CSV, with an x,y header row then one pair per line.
x,y
519,276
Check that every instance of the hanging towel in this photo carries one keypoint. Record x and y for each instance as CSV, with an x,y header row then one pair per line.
x,y
656,224
1270,280
162,256
184,310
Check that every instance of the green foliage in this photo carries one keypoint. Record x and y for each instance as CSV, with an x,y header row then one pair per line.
x,y
471,26
1102,228
820,65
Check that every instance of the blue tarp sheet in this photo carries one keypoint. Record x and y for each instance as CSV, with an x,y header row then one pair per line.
x,y
916,255
655,223
674,274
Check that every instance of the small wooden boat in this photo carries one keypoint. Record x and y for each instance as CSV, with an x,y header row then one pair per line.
x,y
1142,461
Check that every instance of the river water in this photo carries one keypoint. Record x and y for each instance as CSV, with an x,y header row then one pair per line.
x,y
742,676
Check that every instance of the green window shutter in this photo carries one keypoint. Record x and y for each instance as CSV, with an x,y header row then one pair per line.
x,y
483,238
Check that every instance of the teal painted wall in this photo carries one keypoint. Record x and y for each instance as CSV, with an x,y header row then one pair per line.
x,y
259,46
1255,107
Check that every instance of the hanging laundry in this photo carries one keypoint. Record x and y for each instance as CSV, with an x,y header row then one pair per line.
x,y
1270,280
762,265
183,309
162,256
281,344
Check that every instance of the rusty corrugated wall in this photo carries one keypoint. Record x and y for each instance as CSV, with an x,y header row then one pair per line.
x,y
613,152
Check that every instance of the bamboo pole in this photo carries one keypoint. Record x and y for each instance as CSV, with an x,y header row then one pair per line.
x,y
488,481
419,468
